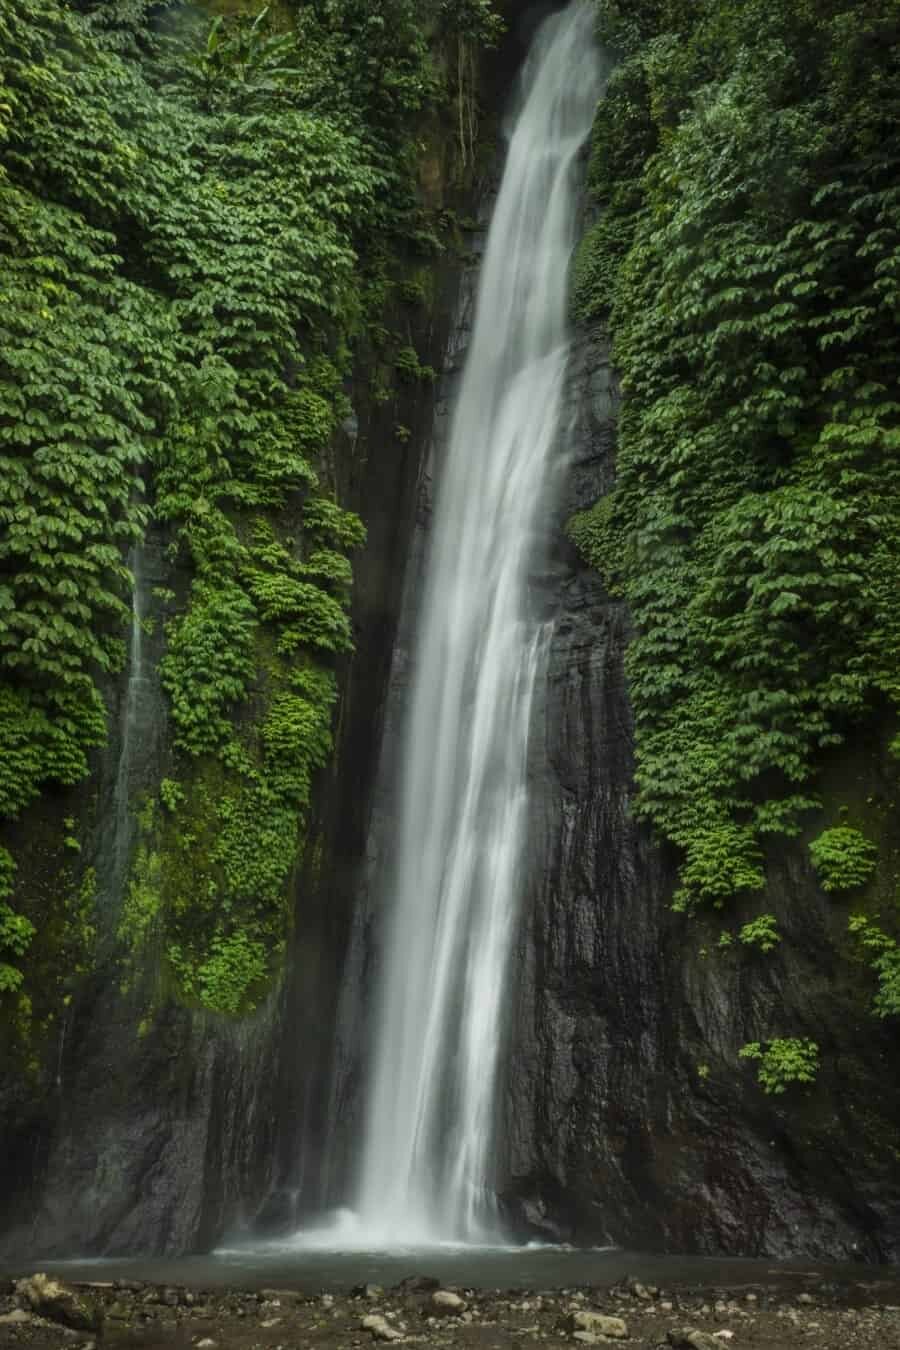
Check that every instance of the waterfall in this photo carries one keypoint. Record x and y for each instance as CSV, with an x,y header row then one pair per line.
x,y
129,732
453,899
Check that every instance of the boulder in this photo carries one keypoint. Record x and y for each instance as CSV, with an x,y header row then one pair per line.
x,y
597,1324
444,1303
688,1339
59,1302
18,1315
381,1328
418,1284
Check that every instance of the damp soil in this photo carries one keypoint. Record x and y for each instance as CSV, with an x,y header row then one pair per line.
x,y
793,1310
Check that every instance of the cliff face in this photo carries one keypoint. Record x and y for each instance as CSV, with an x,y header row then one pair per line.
x,y
152,1132
132,1118
628,1115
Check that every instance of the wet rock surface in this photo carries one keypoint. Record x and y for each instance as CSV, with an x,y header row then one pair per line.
x,y
853,1317
627,1114
154,1140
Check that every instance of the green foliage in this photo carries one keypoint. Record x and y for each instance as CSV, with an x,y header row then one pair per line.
x,y
198,219
843,858
171,794
761,932
596,265
409,367
16,933
884,957
226,981
783,1062
595,535
745,252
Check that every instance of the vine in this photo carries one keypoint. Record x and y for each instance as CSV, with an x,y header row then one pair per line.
x,y
745,255
200,221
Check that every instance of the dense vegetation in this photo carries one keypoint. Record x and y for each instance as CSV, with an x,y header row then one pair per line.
x,y
201,220
746,254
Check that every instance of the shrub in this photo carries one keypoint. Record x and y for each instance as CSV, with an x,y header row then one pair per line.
x,y
783,1062
843,858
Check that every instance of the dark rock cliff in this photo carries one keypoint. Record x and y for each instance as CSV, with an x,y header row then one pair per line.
x,y
139,1133
627,1113
140,1125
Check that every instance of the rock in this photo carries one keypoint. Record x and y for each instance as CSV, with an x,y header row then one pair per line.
x,y
639,1290
689,1339
270,1322
597,1324
17,1315
585,1337
723,1335
444,1303
371,1292
60,1303
418,1284
206,1344
380,1328
280,1295
805,1298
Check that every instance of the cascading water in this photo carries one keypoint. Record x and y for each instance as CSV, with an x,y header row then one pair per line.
x,y
130,729
429,1128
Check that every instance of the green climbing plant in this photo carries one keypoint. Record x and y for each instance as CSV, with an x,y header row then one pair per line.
x,y
201,221
782,1063
843,858
744,255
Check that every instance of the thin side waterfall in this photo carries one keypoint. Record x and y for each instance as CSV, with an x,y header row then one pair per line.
x,y
129,730
429,1130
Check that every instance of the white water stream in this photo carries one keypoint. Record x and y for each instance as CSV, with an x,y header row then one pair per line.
x,y
129,734
427,1149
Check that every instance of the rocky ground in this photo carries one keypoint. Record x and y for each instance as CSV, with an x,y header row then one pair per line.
x,y
41,1313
